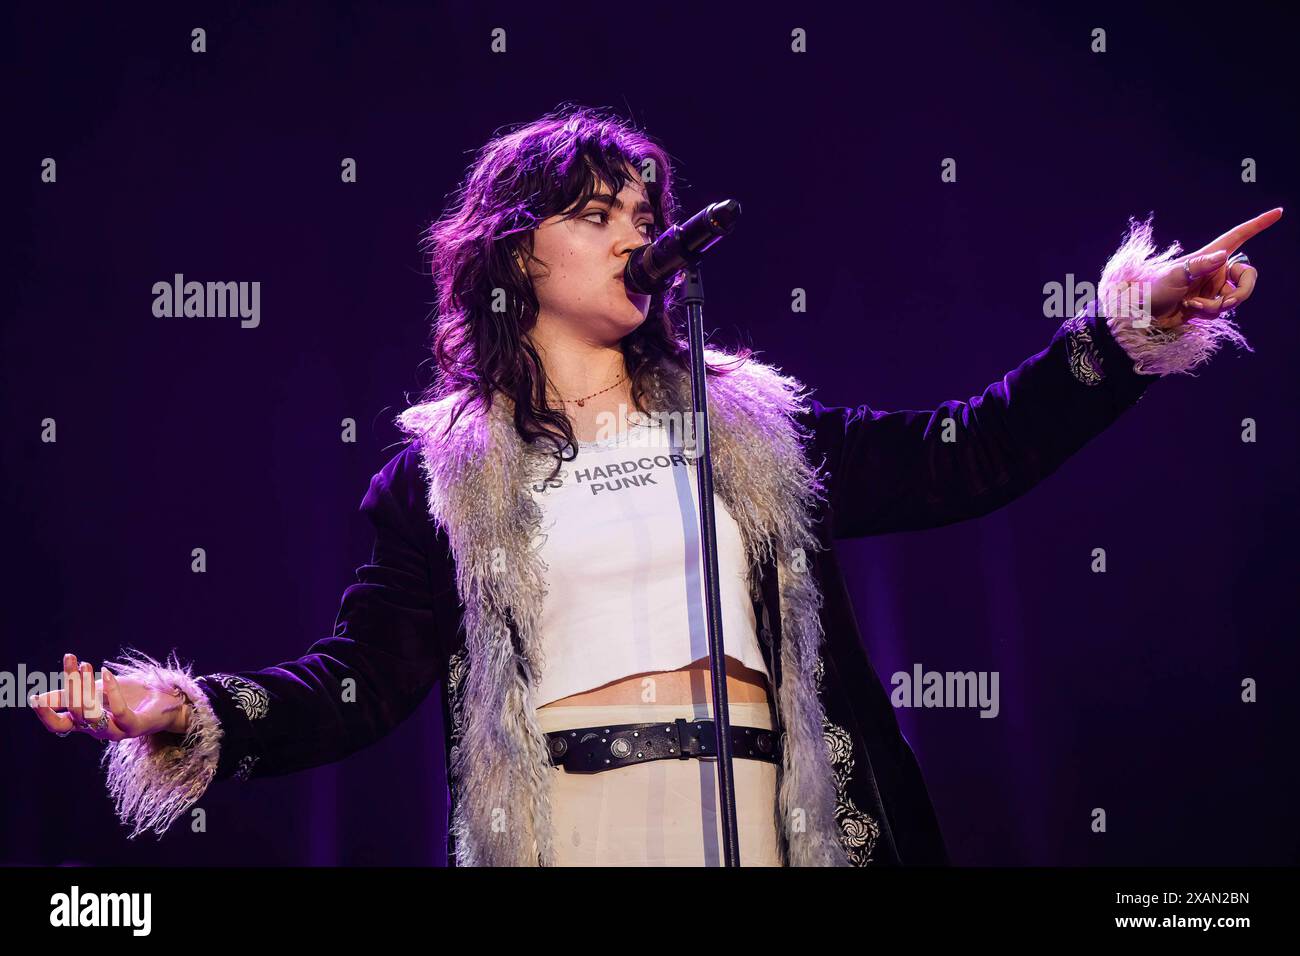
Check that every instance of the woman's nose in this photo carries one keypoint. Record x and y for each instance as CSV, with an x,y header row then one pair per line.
x,y
630,237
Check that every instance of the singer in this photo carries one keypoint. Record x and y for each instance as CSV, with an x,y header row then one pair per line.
x,y
537,553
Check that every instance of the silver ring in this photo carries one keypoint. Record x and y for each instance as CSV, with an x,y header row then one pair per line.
x,y
1187,271
1239,257
96,725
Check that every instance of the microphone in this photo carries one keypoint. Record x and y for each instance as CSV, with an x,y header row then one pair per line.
x,y
651,267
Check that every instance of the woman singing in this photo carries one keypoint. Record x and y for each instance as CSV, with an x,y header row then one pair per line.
x,y
537,551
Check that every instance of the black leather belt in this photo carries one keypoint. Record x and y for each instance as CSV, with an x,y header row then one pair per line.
x,y
593,749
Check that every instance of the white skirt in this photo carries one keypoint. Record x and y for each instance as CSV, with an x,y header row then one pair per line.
x,y
664,812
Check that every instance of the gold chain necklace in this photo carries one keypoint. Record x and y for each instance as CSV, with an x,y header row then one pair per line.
x,y
581,402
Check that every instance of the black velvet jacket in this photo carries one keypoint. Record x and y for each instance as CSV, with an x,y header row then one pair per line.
x,y
399,625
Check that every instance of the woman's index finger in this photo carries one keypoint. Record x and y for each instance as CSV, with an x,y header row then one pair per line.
x,y
1235,237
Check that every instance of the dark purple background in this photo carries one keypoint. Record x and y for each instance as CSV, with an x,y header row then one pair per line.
x,y
1118,690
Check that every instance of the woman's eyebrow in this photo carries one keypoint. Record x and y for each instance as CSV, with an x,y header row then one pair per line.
x,y
606,199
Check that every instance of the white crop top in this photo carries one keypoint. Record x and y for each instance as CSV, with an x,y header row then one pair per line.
x,y
624,567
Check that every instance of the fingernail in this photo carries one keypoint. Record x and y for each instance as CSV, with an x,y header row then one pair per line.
x,y
31,701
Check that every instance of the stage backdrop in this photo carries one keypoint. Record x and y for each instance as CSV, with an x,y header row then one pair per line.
x,y
1120,691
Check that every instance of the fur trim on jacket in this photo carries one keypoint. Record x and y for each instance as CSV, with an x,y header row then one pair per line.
x,y
478,474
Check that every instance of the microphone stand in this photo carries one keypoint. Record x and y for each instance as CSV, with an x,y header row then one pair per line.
x,y
693,299
680,250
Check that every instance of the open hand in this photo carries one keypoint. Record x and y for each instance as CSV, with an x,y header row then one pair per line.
x,y
107,709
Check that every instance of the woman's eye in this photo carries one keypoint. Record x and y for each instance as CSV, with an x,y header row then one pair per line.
x,y
604,216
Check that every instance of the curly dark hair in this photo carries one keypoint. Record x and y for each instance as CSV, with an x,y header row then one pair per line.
x,y
551,166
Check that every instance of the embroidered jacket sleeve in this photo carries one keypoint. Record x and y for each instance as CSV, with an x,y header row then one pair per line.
x,y
908,470
346,692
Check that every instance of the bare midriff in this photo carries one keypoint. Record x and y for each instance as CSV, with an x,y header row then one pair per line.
x,y
686,685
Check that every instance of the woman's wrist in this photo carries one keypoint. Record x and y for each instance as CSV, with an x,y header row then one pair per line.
x,y
182,723
181,715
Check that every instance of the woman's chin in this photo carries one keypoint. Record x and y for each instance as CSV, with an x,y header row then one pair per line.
x,y
630,316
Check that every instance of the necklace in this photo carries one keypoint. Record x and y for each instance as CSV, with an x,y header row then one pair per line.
x,y
581,402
